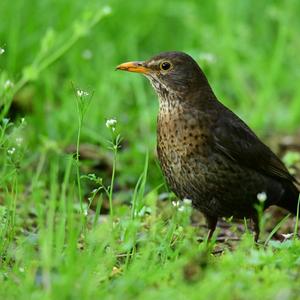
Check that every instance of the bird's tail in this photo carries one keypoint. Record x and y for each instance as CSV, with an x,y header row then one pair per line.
x,y
290,198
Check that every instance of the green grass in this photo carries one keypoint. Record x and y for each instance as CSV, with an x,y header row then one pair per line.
x,y
95,225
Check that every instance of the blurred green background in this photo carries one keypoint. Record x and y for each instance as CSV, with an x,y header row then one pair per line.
x,y
248,50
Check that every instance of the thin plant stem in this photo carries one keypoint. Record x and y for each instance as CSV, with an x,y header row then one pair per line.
x,y
78,162
111,188
83,102
297,219
13,207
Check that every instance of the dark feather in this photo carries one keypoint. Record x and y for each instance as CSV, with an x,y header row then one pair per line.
x,y
236,140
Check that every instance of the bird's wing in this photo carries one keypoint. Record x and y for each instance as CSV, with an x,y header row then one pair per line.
x,y
237,141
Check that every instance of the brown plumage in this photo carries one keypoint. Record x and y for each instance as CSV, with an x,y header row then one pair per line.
x,y
206,152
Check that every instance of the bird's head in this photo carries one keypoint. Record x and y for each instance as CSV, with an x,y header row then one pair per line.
x,y
170,72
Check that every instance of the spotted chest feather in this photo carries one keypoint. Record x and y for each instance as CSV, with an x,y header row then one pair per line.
x,y
183,143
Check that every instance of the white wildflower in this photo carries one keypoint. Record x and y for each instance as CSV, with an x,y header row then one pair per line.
x,y
106,10
11,151
175,203
187,202
207,57
111,123
82,94
1,51
5,121
180,229
262,197
87,54
8,84
181,208
19,141
287,235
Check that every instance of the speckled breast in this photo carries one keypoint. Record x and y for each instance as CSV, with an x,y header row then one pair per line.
x,y
182,146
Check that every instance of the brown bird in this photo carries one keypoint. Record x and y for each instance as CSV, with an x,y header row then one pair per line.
x,y
206,152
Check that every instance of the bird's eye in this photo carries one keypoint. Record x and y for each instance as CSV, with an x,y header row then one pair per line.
x,y
165,66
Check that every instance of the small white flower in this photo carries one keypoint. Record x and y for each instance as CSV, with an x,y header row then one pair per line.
x,y
180,229
262,197
287,236
187,202
21,270
19,141
5,121
175,203
87,54
106,10
111,123
81,93
8,84
1,51
11,151
207,57
181,208
94,191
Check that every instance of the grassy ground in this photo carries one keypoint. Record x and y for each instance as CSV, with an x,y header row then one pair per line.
x,y
64,233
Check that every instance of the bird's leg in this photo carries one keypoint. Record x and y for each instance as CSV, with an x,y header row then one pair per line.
x,y
256,228
211,224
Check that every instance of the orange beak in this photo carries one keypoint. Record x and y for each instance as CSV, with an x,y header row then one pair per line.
x,y
133,66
